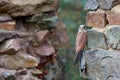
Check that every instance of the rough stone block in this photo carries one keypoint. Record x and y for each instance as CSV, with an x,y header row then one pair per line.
x,y
5,34
47,8
103,64
96,39
5,17
106,4
116,9
26,2
41,35
7,25
113,37
45,50
113,18
91,5
18,61
102,4
96,19
25,7
10,47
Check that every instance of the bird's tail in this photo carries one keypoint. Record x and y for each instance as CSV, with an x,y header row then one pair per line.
x,y
82,65
80,58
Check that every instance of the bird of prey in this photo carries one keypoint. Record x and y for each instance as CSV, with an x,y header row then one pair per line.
x,y
81,40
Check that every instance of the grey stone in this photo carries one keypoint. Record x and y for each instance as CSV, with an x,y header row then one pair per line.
x,y
113,37
5,34
106,4
103,4
5,17
96,39
103,65
118,46
91,5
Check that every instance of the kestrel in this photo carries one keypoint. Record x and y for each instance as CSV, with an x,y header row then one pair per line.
x,y
81,40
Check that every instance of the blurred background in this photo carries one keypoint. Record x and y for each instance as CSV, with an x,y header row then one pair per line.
x,y
72,13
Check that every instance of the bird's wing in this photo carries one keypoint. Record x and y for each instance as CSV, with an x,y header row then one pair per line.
x,y
81,40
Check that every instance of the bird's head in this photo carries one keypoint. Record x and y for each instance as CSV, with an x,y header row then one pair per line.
x,y
81,27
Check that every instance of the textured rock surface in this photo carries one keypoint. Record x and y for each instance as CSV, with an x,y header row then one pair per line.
x,y
106,4
113,37
45,50
6,34
116,9
25,2
96,19
24,7
113,18
91,5
10,47
41,35
96,39
103,64
18,61
102,4
5,17
7,25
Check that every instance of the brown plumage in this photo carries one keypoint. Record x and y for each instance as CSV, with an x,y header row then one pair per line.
x,y
81,40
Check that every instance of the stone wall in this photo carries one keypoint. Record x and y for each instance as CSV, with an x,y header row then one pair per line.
x,y
30,35
103,53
